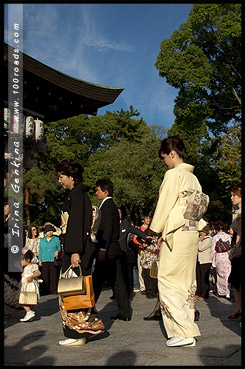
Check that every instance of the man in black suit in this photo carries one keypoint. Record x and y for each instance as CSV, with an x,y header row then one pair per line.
x,y
129,253
108,265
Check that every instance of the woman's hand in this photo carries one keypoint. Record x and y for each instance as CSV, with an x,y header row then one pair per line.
x,y
56,254
159,242
75,260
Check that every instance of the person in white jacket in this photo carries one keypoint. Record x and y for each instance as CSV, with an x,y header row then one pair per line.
x,y
204,263
178,252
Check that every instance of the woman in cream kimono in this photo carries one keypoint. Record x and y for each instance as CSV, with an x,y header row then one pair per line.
x,y
178,252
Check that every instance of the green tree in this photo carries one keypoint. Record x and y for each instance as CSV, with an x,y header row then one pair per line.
x,y
101,144
134,168
203,60
229,160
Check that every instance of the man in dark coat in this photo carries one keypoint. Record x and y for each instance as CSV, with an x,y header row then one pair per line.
x,y
108,265
129,253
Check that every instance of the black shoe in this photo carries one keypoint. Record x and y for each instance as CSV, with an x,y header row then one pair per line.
x,y
149,296
197,315
235,315
153,317
118,317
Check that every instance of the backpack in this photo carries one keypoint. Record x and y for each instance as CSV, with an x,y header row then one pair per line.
x,y
222,246
196,204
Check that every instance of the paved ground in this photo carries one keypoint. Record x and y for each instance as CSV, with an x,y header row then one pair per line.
x,y
134,343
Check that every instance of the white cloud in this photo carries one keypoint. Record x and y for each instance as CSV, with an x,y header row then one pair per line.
x,y
55,36
92,35
103,44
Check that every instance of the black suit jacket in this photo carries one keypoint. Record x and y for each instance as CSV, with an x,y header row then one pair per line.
x,y
77,237
109,230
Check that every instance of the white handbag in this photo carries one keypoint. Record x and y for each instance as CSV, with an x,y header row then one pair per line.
x,y
28,298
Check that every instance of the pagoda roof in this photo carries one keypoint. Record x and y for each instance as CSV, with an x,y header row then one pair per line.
x,y
53,95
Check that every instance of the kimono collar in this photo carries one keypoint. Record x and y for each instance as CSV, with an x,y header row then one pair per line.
x,y
185,166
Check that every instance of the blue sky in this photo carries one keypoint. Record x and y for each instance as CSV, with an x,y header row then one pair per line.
x,y
109,44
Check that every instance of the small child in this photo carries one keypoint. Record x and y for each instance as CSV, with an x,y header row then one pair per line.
x,y
29,282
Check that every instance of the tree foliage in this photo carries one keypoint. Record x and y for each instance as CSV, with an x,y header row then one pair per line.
x,y
115,145
135,170
203,59
229,160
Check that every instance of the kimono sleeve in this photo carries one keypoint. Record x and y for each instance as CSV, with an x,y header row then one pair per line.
x,y
168,195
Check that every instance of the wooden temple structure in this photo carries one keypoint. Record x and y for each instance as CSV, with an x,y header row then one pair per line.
x,y
52,95
48,95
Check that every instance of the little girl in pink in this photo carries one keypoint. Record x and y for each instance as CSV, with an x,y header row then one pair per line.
x,y
221,261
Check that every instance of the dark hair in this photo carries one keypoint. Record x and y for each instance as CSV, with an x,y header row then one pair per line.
x,y
212,226
71,168
124,214
237,189
174,143
28,255
29,234
105,184
220,226
205,229
145,216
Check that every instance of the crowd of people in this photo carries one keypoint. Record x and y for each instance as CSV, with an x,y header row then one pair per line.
x,y
186,256
219,258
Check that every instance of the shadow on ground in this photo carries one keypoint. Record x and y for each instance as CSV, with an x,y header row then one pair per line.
x,y
122,358
26,355
221,310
